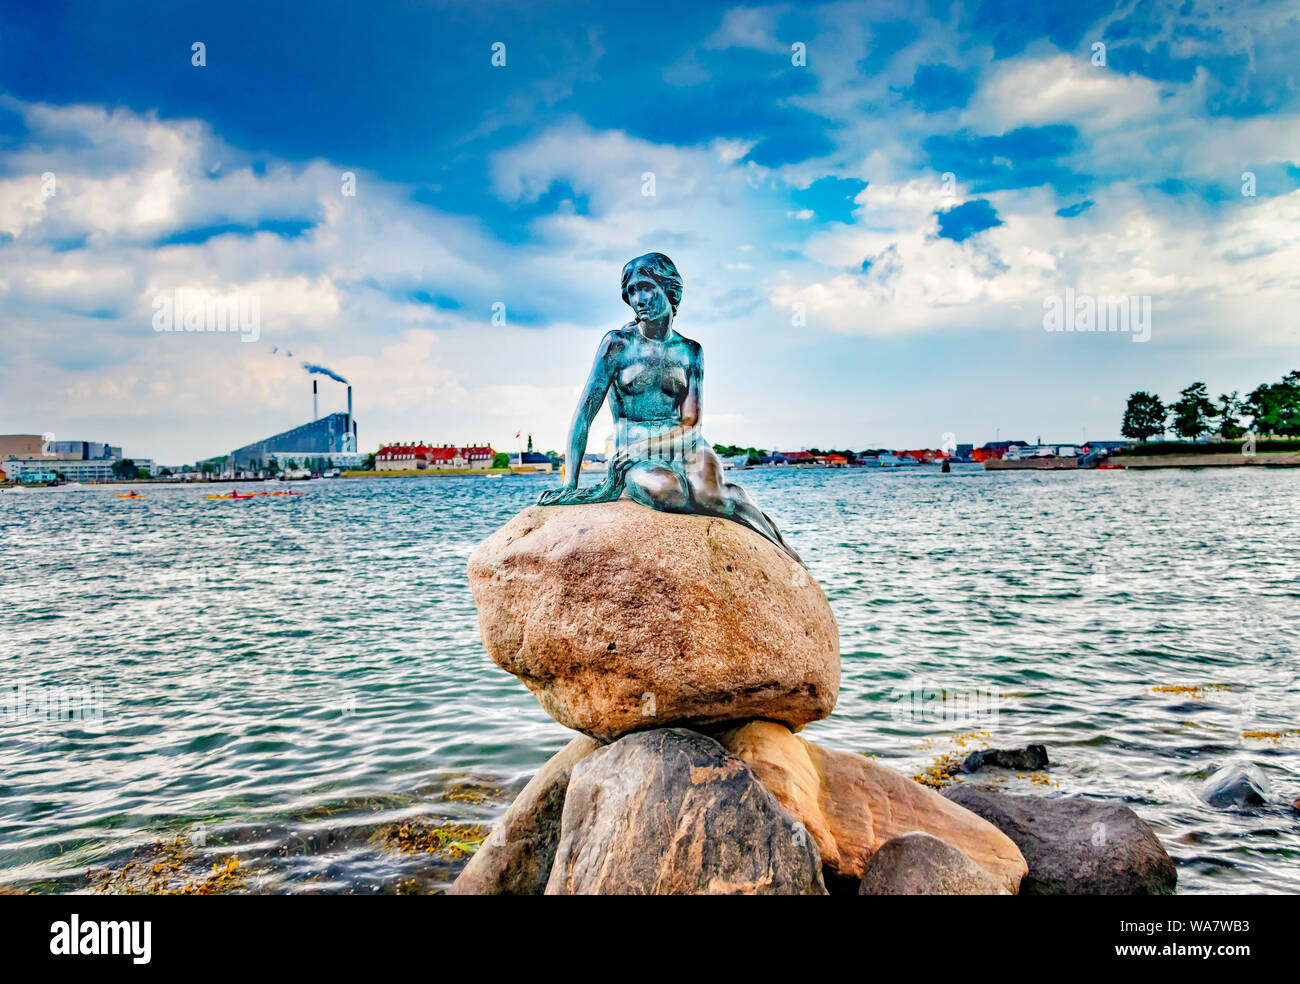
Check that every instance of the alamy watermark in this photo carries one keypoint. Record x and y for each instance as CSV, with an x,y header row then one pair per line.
x,y
34,705
197,310
1087,312
923,701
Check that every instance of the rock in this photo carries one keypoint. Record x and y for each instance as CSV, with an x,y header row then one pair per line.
x,y
1236,785
1028,759
670,812
621,618
852,806
516,858
1076,846
920,864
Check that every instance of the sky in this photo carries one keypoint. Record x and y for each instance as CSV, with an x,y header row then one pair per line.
x,y
872,206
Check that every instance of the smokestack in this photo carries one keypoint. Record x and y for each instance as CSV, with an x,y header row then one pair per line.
x,y
314,414
349,424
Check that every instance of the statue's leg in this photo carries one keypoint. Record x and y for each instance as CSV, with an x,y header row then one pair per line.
x,y
654,484
712,493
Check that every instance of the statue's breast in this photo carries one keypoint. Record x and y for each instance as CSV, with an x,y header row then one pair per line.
x,y
640,377
674,381
637,377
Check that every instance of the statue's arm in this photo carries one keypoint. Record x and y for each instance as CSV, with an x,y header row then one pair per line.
x,y
692,406
593,395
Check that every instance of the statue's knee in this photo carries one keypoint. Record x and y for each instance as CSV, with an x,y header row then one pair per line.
x,y
711,498
658,488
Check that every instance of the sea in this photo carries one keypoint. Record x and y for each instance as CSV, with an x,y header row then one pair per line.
x,y
288,694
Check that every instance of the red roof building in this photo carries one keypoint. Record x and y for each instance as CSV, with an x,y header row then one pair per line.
x,y
419,457
926,455
403,457
479,456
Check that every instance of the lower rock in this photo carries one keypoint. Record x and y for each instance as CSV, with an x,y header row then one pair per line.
x,y
1236,786
852,806
921,864
517,856
1031,758
1076,846
671,812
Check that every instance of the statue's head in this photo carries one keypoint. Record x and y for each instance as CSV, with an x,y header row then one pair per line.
x,y
652,285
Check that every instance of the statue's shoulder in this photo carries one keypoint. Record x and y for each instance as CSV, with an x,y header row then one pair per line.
x,y
618,339
691,345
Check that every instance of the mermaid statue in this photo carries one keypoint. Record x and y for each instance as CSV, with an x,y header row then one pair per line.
x,y
653,377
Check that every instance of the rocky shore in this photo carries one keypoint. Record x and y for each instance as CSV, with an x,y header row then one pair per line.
x,y
688,651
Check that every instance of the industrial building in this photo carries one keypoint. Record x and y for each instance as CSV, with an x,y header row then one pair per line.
x,y
332,435
26,455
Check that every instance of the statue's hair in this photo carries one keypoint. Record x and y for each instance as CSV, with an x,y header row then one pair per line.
x,y
661,270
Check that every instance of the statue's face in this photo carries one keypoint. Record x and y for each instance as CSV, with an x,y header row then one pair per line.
x,y
647,298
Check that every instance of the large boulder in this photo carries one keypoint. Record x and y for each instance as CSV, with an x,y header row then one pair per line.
x,y
670,812
621,618
1076,846
920,864
852,806
516,858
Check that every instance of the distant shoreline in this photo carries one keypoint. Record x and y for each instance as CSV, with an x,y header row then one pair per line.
x,y
442,472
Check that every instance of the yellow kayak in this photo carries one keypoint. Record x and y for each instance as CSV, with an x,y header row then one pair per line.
x,y
130,495
235,496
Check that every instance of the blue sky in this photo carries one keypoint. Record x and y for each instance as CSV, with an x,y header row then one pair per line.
x,y
869,203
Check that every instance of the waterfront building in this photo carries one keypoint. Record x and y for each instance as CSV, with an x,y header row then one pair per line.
x,y
995,449
793,458
332,434
531,460
37,476
323,462
85,450
420,457
1104,445
403,457
21,446
926,455
478,456
447,457
74,470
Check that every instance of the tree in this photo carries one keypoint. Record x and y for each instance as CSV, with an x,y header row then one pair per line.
x,y
1144,417
500,460
207,468
1275,407
1192,412
370,462
1228,414
123,469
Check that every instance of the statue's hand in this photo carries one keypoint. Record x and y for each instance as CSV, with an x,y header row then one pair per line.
x,y
551,496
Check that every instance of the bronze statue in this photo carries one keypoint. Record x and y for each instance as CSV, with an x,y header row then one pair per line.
x,y
653,376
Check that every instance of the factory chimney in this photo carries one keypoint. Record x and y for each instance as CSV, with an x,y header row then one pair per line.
x,y
314,414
